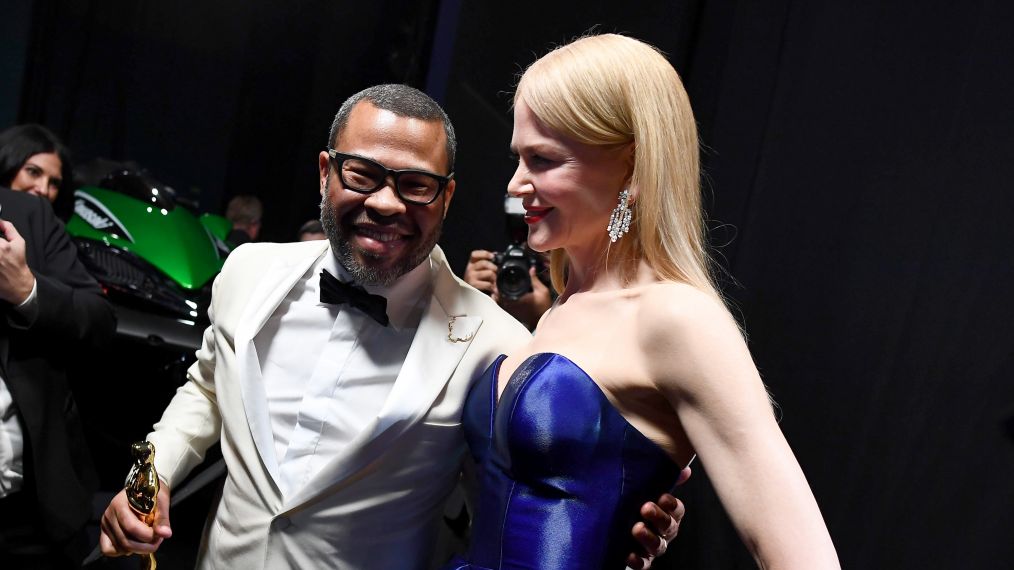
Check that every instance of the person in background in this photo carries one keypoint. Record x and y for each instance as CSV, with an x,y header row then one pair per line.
x,y
244,211
51,308
311,230
34,160
481,273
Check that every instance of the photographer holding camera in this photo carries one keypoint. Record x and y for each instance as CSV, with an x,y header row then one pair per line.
x,y
513,278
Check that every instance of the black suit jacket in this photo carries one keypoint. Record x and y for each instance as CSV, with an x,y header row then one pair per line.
x,y
72,314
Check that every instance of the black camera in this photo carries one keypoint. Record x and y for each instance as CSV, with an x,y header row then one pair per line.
x,y
514,263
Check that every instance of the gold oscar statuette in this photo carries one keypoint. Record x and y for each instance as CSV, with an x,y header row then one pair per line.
x,y
142,489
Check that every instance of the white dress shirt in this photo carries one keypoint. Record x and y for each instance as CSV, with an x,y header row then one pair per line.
x,y
328,369
12,438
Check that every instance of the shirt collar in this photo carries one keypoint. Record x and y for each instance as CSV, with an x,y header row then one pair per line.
x,y
406,297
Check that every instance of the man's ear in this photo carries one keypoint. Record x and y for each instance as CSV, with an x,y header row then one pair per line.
x,y
448,194
324,165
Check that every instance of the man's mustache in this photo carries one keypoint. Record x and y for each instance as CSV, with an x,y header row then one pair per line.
x,y
370,218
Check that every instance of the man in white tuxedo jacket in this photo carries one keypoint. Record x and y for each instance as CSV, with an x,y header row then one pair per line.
x,y
339,423
341,435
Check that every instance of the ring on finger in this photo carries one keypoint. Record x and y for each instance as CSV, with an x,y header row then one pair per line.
x,y
670,532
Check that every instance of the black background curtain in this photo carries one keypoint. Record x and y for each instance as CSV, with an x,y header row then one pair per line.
x,y
858,165
217,98
863,154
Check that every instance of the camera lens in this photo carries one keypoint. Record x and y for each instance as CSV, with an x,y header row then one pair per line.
x,y
512,279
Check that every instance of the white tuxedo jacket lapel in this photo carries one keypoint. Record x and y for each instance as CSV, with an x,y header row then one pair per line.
x,y
429,364
277,280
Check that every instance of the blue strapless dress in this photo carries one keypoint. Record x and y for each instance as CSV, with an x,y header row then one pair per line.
x,y
562,475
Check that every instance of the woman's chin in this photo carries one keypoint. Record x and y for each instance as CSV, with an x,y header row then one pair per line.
x,y
538,245
540,239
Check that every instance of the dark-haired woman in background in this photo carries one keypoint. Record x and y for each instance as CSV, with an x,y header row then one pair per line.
x,y
34,160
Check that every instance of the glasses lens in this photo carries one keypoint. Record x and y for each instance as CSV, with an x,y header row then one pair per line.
x,y
417,186
359,174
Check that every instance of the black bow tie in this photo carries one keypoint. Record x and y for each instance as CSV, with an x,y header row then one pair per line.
x,y
333,291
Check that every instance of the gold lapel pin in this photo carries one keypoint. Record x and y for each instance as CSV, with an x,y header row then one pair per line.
x,y
450,332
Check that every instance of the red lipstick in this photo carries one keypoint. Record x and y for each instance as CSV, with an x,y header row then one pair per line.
x,y
533,215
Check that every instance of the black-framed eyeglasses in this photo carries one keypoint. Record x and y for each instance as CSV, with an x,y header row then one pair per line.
x,y
366,176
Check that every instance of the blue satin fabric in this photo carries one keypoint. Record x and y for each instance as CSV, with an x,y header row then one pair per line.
x,y
562,475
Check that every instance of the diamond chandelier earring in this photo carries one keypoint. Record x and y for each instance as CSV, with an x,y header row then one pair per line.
x,y
619,222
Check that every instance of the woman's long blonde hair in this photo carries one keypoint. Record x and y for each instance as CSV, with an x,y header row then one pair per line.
x,y
608,90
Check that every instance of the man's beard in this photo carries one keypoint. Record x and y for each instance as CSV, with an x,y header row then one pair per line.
x,y
363,274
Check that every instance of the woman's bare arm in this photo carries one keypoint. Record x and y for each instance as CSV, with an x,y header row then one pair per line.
x,y
697,356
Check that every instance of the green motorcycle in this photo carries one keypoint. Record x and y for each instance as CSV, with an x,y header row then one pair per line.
x,y
152,253
156,259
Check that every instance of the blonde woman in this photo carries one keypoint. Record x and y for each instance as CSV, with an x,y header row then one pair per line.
x,y
639,366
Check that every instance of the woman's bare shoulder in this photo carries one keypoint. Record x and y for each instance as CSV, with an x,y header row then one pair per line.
x,y
682,328
671,307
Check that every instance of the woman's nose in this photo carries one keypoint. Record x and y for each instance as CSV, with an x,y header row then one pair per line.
x,y
520,185
40,186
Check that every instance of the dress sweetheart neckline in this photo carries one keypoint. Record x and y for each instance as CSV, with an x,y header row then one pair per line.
x,y
498,363
496,395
